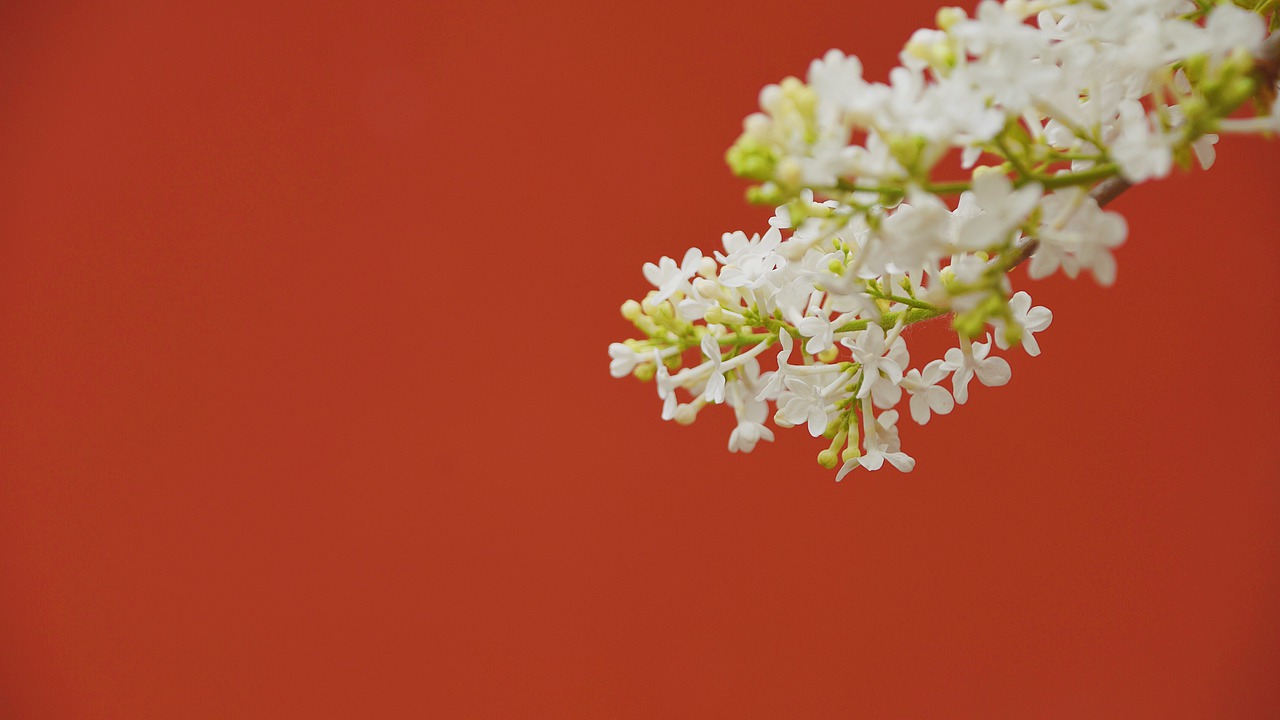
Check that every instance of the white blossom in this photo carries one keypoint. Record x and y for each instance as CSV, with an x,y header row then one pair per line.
x,y
1030,320
971,359
670,278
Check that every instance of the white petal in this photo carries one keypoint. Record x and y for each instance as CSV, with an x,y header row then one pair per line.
x,y
994,372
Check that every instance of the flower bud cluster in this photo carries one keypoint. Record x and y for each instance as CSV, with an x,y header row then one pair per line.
x,y
1038,102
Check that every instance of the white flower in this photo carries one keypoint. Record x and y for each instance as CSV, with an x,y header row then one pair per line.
x,y
926,396
881,441
750,412
714,391
670,278
803,403
819,331
971,359
869,350
624,360
748,261
1141,152
1031,320
887,394
1080,234
1003,210
773,387
917,232
666,388
1230,27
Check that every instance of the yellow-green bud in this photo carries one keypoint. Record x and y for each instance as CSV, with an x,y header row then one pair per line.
x,y
767,194
981,170
685,415
828,459
707,267
644,372
969,324
906,150
1195,66
1012,334
751,159
828,355
947,17
631,310
1238,90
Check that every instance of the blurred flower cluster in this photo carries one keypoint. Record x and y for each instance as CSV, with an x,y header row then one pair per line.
x,y
910,200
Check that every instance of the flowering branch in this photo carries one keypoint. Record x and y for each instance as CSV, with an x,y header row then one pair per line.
x,y
1052,121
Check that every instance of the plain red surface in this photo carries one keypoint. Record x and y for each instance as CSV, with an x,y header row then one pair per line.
x,y
305,410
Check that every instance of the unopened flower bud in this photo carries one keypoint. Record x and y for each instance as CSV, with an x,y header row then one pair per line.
x,y
686,414
828,459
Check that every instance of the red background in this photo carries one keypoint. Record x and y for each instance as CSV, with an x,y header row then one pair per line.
x,y
305,410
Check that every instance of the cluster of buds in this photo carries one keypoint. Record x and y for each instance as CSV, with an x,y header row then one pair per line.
x,y
1042,103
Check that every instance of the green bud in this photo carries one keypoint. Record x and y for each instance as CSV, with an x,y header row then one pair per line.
x,y
767,194
1012,334
828,459
947,17
1195,67
1238,90
828,355
644,372
631,310
751,159
1240,61
969,324
907,150
1195,106
685,415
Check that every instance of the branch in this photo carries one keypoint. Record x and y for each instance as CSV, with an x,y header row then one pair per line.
x,y
1268,64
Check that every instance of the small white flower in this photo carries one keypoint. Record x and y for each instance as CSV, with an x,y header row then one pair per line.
x,y
881,442
926,395
869,350
803,403
971,359
1003,210
1142,152
749,261
773,387
819,331
666,388
714,391
670,278
750,412
624,360
1031,319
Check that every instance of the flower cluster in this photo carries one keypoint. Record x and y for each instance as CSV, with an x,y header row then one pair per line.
x,y
1032,106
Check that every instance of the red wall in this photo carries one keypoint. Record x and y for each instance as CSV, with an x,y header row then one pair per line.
x,y
305,409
